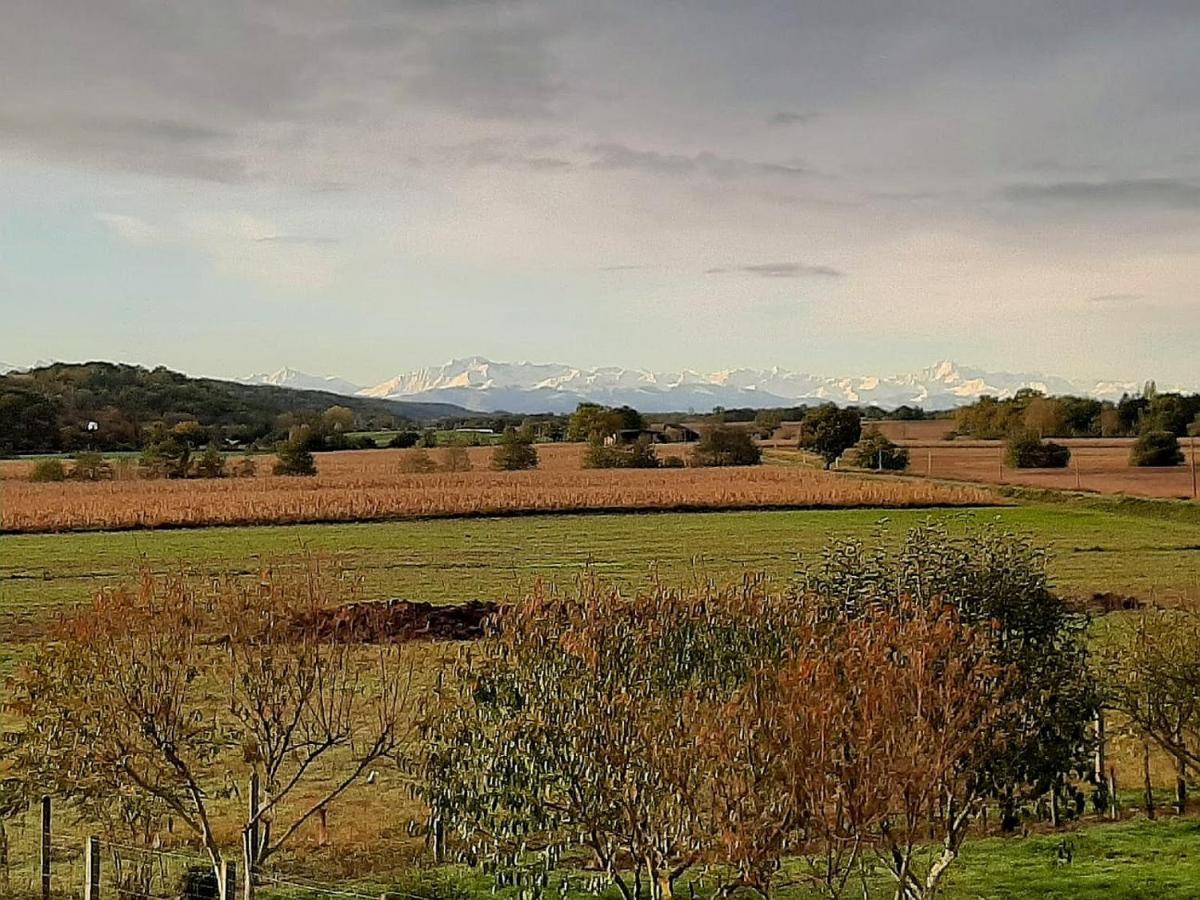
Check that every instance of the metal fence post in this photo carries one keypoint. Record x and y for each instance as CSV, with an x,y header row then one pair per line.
x,y
46,848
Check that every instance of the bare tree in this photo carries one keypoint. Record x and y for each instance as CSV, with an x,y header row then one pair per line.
x,y
164,689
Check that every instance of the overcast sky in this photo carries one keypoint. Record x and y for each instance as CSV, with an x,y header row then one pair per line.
x,y
361,188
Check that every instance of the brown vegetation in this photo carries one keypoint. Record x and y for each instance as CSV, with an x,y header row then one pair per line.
x,y
368,485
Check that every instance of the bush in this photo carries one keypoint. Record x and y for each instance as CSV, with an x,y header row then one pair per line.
x,y
724,446
245,467
1156,448
1028,451
91,467
639,455
417,462
455,459
294,459
210,465
48,470
514,452
876,451
404,440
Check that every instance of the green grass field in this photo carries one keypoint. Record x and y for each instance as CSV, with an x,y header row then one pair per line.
x,y
1131,860
1095,547
449,560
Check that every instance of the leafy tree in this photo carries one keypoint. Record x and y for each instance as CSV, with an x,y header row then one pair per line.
x,y
1150,673
725,445
829,432
514,452
1045,417
294,459
1156,448
593,422
997,581
876,451
638,455
1026,450
29,423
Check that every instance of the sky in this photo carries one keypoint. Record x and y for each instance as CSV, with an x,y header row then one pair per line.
x,y
366,187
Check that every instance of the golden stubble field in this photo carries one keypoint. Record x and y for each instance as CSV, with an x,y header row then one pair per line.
x,y
370,486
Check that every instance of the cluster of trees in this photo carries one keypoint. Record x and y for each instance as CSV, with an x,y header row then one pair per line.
x,y
726,446
990,418
863,713
108,407
881,699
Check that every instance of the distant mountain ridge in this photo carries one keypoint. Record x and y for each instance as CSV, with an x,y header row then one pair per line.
x,y
483,385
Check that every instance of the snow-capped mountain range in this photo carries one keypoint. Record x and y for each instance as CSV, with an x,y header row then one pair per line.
x,y
486,386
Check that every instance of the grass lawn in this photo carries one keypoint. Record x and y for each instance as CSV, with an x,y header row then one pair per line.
x,y
451,560
1119,861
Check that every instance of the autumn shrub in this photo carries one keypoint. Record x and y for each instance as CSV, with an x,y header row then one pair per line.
x,y
1156,448
90,467
294,459
514,452
1026,450
638,455
726,446
245,467
416,461
454,459
48,470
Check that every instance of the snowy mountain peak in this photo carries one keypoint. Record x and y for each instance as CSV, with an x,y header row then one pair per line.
x,y
482,384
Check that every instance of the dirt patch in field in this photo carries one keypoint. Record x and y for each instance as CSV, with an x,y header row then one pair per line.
x,y
403,620
1102,603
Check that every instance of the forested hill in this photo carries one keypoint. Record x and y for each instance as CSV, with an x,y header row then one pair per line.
x,y
49,408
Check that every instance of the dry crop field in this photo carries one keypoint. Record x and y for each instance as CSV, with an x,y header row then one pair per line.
x,y
1097,464
370,486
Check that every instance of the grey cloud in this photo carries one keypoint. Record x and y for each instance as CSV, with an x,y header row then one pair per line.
x,y
1168,193
1115,299
296,239
787,117
615,156
780,270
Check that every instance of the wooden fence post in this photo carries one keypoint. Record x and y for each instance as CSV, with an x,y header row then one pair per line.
x,y
46,848
91,869
227,879
250,840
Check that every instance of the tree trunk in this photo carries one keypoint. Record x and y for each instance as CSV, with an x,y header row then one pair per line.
x,y
1147,787
1181,789
1114,808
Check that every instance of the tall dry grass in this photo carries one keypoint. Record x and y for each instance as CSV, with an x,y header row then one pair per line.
x,y
369,485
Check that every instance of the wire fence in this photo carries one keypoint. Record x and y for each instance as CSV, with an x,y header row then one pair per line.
x,y
76,866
